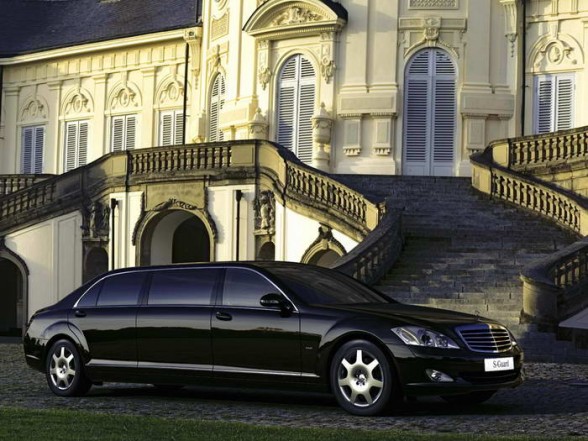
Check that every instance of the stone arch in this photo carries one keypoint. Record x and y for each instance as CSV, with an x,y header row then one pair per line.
x,y
14,298
155,236
125,96
34,110
77,102
170,92
325,249
555,51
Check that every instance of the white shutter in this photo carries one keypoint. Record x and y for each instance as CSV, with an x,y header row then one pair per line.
x,y
118,133
217,101
554,102
165,128
544,105
131,132
179,127
296,103
71,142
27,149
83,143
564,106
430,114
39,146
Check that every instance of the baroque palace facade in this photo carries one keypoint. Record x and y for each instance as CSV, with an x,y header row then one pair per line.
x,y
140,132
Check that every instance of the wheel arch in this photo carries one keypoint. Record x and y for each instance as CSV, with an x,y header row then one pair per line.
x,y
63,331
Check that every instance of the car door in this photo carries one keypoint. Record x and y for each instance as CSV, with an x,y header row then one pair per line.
x,y
106,316
249,339
173,324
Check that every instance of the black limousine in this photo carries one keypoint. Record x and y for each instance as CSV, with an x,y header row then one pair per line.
x,y
267,323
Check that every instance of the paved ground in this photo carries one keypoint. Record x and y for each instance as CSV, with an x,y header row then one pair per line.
x,y
553,401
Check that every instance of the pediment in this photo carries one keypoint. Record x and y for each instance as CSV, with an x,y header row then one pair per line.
x,y
279,19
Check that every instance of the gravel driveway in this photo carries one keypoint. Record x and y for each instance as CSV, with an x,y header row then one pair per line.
x,y
553,401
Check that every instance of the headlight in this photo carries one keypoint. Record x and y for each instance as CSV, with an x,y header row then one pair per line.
x,y
417,336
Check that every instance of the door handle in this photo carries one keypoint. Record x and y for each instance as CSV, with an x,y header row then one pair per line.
x,y
225,316
80,313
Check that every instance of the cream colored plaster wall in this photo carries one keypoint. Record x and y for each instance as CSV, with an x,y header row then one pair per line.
x,y
52,251
222,206
126,216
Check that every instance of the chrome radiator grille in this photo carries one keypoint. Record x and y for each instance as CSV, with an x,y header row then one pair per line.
x,y
485,338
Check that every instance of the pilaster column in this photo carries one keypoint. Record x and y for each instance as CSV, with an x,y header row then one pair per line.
x,y
147,116
100,118
10,158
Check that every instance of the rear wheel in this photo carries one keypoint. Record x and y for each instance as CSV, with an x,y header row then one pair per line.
x,y
471,398
64,370
362,378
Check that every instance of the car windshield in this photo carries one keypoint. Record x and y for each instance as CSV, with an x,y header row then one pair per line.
x,y
315,286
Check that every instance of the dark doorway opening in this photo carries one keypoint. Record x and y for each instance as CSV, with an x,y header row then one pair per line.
x,y
11,299
191,242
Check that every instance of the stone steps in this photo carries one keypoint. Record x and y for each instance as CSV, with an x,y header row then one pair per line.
x,y
464,251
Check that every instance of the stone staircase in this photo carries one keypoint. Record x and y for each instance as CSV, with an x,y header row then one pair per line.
x,y
464,252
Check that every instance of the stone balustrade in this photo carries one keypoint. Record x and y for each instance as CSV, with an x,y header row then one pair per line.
x,y
179,159
12,183
512,170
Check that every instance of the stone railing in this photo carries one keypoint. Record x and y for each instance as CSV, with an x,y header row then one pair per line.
x,y
554,288
376,254
505,170
302,188
12,183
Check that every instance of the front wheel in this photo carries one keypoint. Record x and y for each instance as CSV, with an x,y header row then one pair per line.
x,y
64,370
362,378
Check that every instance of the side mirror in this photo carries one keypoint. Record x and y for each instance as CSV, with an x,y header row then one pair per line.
x,y
275,300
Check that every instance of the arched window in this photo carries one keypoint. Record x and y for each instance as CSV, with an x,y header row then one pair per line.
x,y
430,114
217,102
296,95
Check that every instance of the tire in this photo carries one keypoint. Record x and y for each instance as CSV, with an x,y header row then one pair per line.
x,y
64,370
469,399
362,379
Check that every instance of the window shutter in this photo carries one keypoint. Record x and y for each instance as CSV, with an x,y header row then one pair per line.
x,y
38,150
71,141
217,102
444,109
296,102
415,131
131,132
117,134
27,149
165,128
83,143
565,95
545,108
179,127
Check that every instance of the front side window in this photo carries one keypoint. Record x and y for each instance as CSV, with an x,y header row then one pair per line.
x,y
296,95
243,287
183,287
171,127
33,142
76,144
217,102
121,289
554,102
124,133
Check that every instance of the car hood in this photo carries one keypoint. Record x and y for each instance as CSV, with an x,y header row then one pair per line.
x,y
414,315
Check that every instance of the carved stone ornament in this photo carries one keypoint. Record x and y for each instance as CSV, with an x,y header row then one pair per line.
x,y
322,124
296,15
264,76
172,93
33,110
258,126
433,4
174,203
432,26
265,209
96,220
327,69
78,103
124,98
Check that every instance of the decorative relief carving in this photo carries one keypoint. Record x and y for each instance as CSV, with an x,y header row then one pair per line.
x,y
172,93
433,4
556,50
79,102
296,15
96,220
124,98
265,209
431,32
264,75
432,26
174,203
34,110
219,27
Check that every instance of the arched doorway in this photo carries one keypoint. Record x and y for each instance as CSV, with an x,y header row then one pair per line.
x,y
175,236
96,263
191,242
430,114
12,309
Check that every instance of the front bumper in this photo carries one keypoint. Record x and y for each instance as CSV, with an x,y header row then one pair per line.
x,y
466,369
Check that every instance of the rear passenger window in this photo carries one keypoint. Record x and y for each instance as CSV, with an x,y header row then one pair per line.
x,y
244,287
183,287
89,298
121,289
